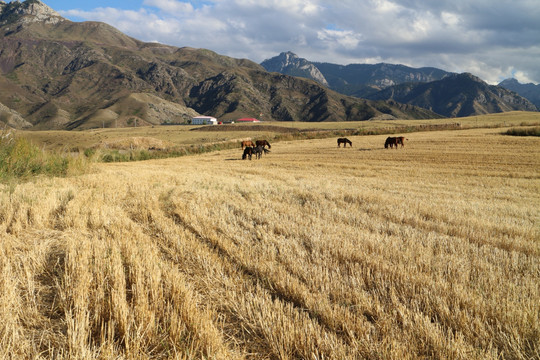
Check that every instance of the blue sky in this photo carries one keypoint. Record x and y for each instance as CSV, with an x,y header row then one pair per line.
x,y
93,4
89,5
492,39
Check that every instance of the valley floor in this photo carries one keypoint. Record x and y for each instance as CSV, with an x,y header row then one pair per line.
x,y
312,252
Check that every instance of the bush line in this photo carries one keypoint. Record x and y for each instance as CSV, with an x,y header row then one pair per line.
x,y
21,160
535,131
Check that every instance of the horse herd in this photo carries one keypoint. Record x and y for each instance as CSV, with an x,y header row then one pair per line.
x,y
258,147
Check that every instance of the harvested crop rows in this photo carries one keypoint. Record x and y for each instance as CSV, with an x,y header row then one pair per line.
x,y
312,252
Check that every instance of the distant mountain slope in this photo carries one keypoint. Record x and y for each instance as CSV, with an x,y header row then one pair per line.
x,y
12,119
59,74
456,96
529,91
446,93
362,79
358,80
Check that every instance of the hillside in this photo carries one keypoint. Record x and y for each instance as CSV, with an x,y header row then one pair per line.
x,y
362,79
59,74
456,96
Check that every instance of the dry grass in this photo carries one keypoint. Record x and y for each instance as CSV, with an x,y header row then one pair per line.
x,y
312,252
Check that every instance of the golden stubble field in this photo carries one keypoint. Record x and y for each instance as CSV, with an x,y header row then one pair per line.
x,y
312,252
185,136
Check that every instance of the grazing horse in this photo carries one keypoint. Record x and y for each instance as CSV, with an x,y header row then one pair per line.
x,y
390,141
394,141
247,143
263,143
259,150
400,140
248,151
343,141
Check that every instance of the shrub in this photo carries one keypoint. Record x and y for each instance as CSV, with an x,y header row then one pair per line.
x,y
89,152
534,131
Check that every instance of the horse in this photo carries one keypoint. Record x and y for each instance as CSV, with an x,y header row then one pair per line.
x,y
247,143
400,140
390,141
343,141
248,151
259,150
263,143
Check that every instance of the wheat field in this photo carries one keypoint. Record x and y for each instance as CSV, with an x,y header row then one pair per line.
x,y
312,252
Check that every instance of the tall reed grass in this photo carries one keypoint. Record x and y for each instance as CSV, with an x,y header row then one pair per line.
x,y
21,160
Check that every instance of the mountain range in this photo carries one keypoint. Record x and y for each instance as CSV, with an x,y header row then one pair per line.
x,y
457,95
529,91
58,74
358,80
448,94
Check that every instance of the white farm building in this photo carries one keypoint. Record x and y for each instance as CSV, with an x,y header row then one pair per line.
x,y
203,120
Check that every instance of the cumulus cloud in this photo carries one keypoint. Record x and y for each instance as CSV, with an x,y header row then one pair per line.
x,y
170,6
492,39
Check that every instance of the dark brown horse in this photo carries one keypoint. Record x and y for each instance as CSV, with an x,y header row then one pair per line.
x,y
247,143
263,143
343,141
390,141
248,151
394,141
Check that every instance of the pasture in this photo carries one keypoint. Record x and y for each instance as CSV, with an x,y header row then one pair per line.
x,y
187,136
311,252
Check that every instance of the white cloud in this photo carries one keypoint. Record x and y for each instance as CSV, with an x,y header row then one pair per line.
x,y
450,19
521,77
170,6
344,38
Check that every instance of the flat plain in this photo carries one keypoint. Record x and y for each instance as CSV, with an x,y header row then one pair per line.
x,y
190,135
311,252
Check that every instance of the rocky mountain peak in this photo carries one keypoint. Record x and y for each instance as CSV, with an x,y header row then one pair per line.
x,y
289,58
26,12
510,81
290,64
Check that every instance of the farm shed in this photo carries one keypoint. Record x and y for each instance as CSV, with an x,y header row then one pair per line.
x,y
204,120
248,120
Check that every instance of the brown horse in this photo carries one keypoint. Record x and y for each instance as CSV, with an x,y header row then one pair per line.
x,y
343,141
247,143
400,140
263,143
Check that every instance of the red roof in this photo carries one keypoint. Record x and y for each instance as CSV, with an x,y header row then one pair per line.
x,y
249,119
